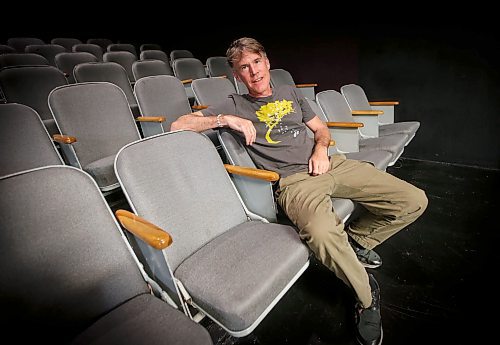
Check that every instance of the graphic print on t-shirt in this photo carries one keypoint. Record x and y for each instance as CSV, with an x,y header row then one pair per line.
x,y
272,113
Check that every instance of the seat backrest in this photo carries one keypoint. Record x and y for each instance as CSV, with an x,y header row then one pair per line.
x,y
240,87
123,58
19,43
334,106
149,46
111,72
165,180
5,49
188,68
355,97
30,85
280,77
101,42
66,42
162,95
155,54
180,53
146,68
24,59
98,115
118,47
48,51
67,61
93,49
64,262
211,91
218,66
24,140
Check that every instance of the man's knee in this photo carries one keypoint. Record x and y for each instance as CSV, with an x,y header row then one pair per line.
x,y
417,201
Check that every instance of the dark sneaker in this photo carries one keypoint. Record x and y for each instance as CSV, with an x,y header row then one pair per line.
x,y
368,320
367,257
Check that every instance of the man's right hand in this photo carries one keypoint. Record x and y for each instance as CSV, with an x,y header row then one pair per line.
x,y
241,125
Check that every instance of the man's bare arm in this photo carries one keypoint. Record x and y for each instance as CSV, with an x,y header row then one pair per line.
x,y
319,162
199,123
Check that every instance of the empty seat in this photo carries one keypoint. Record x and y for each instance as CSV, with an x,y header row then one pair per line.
x,y
335,108
66,42
155,54
218,66
280,76
31,85
146,68
232,269
118,47
149,46
25,59
108,72
5,49
188,69
24,140
357,101
66,62
48,51
123,58
93,49
99,117
180,53
19,43
101,42
68,273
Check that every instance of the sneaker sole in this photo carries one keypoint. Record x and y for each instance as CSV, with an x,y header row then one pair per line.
x,y
370,265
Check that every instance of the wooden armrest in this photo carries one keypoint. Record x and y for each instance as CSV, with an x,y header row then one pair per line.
x,y
199,107
367,112
344,124
306,85
261,174
332,142
384,103
64,139
187,81
150,119
149,233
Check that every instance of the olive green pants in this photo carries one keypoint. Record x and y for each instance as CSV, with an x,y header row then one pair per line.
x,y
391,203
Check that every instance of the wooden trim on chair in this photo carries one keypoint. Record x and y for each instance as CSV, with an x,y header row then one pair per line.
x,y
344,124
384,103
367,112
306,85
187,81
261,174
64,139
150,119
199,107
148,232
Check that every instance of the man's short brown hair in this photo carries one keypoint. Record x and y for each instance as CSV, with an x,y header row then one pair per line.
x,y
236,48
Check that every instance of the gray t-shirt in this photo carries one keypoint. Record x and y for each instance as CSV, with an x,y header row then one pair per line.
x,y
282,143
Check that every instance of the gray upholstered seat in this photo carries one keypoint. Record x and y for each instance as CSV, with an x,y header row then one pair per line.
x,y
149,46
19,43
187,70
146,68
123,58
22,59
154,54
99,116
66,62
280,77
180,53
24,141
357,100
164,95
122,47
30,85
93,49
48,51
233,269
218,66
101,42
111,72
69,275
335,109
66,42
5,49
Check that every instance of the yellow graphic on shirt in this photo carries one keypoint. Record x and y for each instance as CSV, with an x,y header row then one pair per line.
x,y
271,114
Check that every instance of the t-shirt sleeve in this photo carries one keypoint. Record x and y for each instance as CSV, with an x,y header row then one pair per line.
x,y
226,107
307,112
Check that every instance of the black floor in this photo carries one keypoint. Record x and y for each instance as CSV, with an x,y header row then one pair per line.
x,y
438,279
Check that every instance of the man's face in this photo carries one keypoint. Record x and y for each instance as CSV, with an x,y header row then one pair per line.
x,y
253,70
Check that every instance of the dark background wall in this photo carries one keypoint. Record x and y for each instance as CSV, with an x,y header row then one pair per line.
x,y
445,76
